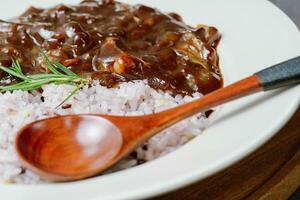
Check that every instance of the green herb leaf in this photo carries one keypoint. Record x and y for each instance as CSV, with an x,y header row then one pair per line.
x,y
70,95
26,86
48,63
16,66
64,69
44,76
59,75
12,72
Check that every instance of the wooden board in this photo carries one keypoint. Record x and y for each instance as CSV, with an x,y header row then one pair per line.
x,y
270,173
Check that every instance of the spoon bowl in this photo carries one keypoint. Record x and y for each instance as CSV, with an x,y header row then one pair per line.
x,y
76,146
73,147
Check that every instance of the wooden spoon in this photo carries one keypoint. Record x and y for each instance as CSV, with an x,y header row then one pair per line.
x,y
67,148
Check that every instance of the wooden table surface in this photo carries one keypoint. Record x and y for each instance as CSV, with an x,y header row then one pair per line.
x,y
270,173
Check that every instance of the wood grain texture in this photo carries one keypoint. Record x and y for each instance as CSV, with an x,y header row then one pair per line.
x,y
282,184
271,172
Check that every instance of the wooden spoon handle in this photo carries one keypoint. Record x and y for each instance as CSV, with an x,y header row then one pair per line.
x,y
234,91
283,74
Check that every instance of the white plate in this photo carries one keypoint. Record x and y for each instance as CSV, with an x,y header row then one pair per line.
x,y
256,34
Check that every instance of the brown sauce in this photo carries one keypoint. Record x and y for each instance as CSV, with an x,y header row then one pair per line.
x,y
114,42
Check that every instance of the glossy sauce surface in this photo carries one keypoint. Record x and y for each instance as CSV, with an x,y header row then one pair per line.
x,y
114,42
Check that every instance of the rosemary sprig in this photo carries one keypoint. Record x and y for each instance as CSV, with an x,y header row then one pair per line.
x,y
70,95
59,74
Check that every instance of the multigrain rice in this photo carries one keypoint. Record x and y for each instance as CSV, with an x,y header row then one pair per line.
x,y
133,98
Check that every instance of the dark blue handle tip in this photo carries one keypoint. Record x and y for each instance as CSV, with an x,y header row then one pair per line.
x,y
280,75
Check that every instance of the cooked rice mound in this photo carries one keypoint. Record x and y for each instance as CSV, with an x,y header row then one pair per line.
x,y
133,98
